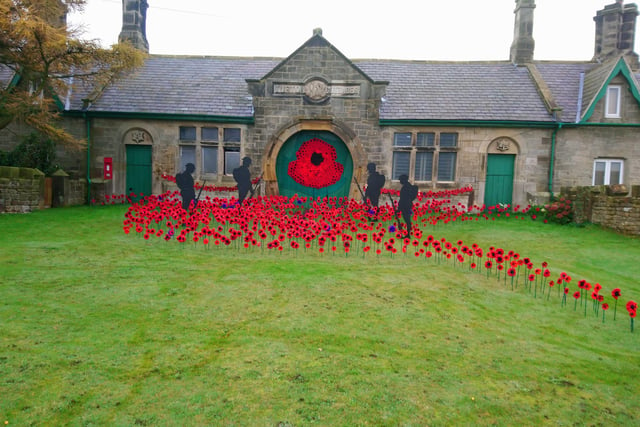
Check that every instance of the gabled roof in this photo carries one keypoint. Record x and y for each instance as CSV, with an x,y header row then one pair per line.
x,y
317,41
597,80
216,88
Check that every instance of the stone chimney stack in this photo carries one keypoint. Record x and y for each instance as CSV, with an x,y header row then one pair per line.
x,y
134,23
523,43
615,32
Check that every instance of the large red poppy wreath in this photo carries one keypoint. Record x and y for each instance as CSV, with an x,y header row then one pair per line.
x,y
315,165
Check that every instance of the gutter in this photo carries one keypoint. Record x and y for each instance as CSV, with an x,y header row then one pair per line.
x,y
162,116
467,123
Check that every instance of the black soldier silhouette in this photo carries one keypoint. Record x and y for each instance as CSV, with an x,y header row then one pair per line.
x,y
243,178
184,180
408,193
375,182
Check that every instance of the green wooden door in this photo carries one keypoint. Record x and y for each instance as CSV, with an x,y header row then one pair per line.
x,y
499,187
314,164
139,169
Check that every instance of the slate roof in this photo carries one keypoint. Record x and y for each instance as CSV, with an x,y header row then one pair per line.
x,y
493,91
186,85
563,80
6,74
417,90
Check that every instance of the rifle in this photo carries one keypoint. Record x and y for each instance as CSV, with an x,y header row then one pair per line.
x,y
395,211
195,202
255,187
364,199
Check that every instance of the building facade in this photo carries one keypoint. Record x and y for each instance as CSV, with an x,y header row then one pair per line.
x,y
516,130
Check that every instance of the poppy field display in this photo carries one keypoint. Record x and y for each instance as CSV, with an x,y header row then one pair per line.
x,y
329,227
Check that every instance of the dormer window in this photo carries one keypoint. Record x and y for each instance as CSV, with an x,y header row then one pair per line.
x,y
612,108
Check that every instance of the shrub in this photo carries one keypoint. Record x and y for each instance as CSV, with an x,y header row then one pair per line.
x,y
34,151
559,211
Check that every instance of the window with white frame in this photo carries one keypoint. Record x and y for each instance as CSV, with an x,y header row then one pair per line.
x,y
612,108
421,155
608,171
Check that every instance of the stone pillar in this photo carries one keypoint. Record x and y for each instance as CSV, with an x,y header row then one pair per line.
x,y
523,43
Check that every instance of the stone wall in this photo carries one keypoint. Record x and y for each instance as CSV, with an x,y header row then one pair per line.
x,y
21,189
24,190
612,206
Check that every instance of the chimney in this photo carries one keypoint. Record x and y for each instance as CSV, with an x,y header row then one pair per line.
x,y
615,32
134,23
523,43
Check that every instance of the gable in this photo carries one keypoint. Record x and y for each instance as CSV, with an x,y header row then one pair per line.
x,y
317,57
597,81
316,72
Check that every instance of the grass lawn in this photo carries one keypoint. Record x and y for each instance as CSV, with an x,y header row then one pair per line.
x,y
103,328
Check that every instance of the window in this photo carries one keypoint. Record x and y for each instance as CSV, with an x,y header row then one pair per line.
x,y
187,155
426,139
209,134
213,149
417,154
187,133
612,109
607,171
446,166
401,163
232,134
448,140
402,140
209,159
231,159
424,166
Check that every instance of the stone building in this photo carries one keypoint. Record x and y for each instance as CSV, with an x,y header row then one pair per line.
x,y
514,130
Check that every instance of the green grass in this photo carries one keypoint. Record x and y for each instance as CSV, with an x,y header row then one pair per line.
x,y
99,327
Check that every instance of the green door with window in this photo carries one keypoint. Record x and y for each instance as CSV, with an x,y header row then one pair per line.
x,y
314,164
138,170
499,187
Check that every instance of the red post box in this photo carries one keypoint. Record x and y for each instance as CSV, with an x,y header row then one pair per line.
x,y
108,168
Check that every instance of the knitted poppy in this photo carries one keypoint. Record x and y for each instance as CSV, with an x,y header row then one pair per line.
x,y
315,165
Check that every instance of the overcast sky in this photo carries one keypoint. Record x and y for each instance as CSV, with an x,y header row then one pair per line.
x,y
464,30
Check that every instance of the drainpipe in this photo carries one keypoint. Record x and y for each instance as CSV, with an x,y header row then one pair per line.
x,y
88,125
552,159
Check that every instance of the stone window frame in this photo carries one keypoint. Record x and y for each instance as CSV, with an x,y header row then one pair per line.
x,y
425,144
227,140
607,173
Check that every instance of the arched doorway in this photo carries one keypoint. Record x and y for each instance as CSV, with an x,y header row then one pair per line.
x,y
314,163
138,161
501,155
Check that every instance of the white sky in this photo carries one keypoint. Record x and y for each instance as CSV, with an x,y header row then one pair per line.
x,y
464,30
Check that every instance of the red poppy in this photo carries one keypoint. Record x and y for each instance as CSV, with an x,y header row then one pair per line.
x,y
605,306
632,307
616,293
576,294
315,165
